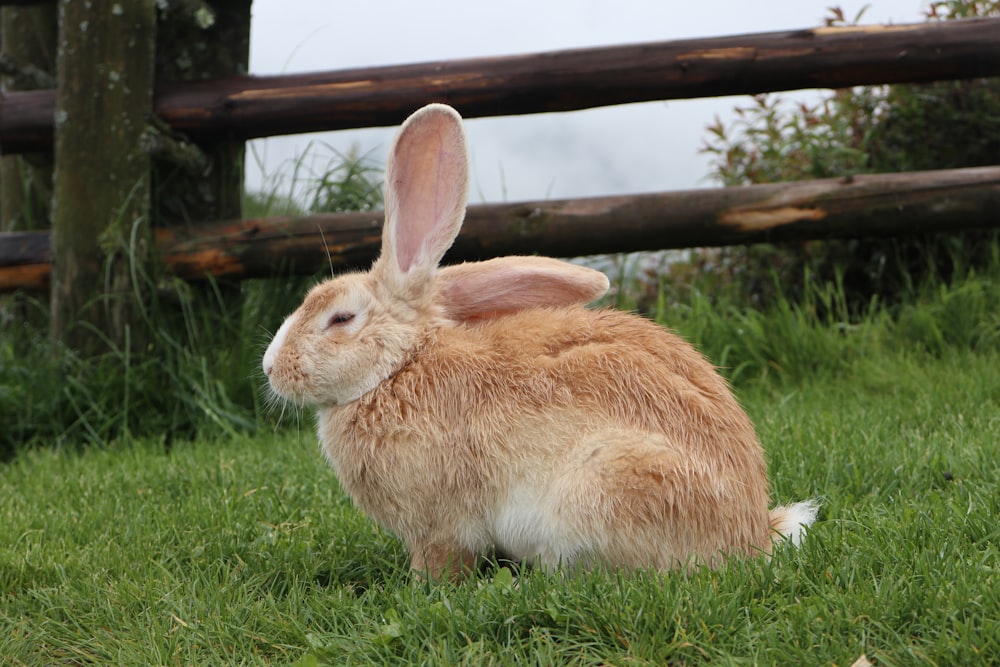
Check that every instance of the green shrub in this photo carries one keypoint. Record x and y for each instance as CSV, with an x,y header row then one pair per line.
x,y
871,129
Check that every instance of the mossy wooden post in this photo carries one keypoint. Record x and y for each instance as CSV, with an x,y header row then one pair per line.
x,y
28,39
199,41
101,186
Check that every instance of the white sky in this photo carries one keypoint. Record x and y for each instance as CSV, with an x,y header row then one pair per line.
x,y
613,150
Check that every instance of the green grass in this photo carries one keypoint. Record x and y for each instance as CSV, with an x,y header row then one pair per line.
x,y
186,532
235,546
242,550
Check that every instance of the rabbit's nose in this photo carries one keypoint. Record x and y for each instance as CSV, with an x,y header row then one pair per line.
x,y
267,362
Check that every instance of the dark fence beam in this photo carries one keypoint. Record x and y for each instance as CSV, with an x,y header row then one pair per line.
x,y
869,205
251,107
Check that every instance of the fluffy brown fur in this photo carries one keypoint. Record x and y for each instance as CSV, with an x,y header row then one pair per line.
x,y
483,407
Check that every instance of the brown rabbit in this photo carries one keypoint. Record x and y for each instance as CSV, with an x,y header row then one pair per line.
x,y
481,407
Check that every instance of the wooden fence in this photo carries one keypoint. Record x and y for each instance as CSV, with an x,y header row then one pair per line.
x,y
247,107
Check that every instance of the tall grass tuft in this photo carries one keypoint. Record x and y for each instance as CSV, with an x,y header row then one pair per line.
x,y
192,371
818,334
814,337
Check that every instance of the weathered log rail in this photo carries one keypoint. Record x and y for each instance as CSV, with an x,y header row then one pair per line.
x,y
869,205
250,107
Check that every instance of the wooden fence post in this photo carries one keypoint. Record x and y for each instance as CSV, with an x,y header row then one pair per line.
x,y
196,43
28,38
100,220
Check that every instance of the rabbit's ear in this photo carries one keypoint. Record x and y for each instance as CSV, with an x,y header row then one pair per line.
x,y
509,284
426,185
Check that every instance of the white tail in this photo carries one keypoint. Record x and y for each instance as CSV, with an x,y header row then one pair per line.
x,y
790,521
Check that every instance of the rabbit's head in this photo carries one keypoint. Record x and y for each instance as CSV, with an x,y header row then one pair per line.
x,y
354,331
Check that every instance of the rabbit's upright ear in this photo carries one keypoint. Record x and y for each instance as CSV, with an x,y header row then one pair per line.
x,y
509,284
426,185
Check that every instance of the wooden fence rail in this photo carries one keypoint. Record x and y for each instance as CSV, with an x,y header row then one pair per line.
x,y
249,107
246,107
869,205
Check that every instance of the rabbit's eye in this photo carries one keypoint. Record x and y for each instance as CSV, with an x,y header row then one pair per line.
x,y
339,319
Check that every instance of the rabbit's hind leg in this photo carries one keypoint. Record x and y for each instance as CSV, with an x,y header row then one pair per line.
x,y
437,561
638,500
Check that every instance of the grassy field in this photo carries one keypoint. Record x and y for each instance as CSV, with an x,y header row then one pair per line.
x,y
243,550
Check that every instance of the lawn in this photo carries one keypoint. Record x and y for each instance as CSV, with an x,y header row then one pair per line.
x,y
243,550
